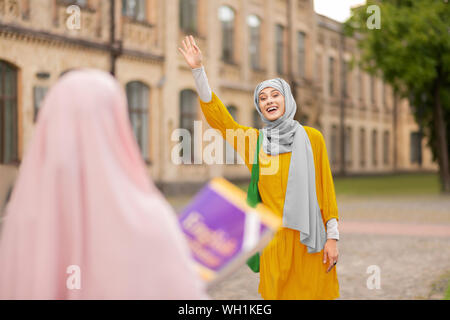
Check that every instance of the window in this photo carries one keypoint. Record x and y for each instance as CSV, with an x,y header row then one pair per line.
x,y
347,79
374,148
362,147
415,147
301,53
26,9
135,9
230,155
38,96
138,105
360,85
233,112
254,24
279,38
81,3
319,68
8,113
257,121
334,145
188,114
304,119
188,15
227,17
345,74
348,146
372,89
331,76
386,148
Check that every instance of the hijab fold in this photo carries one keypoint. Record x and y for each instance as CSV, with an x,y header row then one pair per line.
x,y
301,208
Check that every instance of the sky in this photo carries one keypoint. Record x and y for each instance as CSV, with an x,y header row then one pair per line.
x,y
336,9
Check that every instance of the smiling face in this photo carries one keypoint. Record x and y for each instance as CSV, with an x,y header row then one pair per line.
x,y
271,103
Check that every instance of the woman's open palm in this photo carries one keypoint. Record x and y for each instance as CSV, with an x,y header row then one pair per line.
x,y
191,52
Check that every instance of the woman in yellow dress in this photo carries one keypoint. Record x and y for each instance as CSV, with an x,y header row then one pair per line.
x,y
299,261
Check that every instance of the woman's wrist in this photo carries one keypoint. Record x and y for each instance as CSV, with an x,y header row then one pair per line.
x,y
197,66
332,229
202,85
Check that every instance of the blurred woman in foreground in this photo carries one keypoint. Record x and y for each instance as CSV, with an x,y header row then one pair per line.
x,y
84,221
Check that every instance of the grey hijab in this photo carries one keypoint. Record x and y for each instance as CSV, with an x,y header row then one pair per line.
x,y
301,209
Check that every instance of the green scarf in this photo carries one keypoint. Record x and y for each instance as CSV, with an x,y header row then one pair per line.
x,y
253,198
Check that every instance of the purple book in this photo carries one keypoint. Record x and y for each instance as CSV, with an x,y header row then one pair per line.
x,y
223,231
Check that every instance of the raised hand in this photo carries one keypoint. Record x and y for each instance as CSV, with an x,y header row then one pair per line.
x,y
191,52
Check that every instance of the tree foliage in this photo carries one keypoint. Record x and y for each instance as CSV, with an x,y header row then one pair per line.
x,y
411,51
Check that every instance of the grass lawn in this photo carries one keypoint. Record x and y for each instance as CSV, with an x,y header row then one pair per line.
x,y
447,292
401,184
383,185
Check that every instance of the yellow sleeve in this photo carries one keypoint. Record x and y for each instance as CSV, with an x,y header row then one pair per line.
x,y
242,138
326,195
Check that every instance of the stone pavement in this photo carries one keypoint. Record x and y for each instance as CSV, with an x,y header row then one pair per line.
x,y
406,238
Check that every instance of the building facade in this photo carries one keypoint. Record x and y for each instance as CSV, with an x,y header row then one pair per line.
x,y
243,42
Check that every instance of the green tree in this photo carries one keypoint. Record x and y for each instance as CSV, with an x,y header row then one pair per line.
x,y
411,51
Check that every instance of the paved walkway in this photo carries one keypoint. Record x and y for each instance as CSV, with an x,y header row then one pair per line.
x,y
386,228
406,239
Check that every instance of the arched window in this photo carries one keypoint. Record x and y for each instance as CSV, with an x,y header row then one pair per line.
x,y
360,85
304,119
138,106
280,48
331,76
372,89
319,68
362,147
257,121
301,53
254,25
81,3
188,15
135,9
39,93
348,146
230,155
386,148
188,114
8,113
374,148
346,83
227,19
415,147
334,145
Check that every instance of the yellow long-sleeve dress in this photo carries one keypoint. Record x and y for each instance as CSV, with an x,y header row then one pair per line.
x,y
287,270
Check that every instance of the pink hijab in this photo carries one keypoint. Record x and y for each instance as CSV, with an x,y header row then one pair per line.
x,y
83,211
